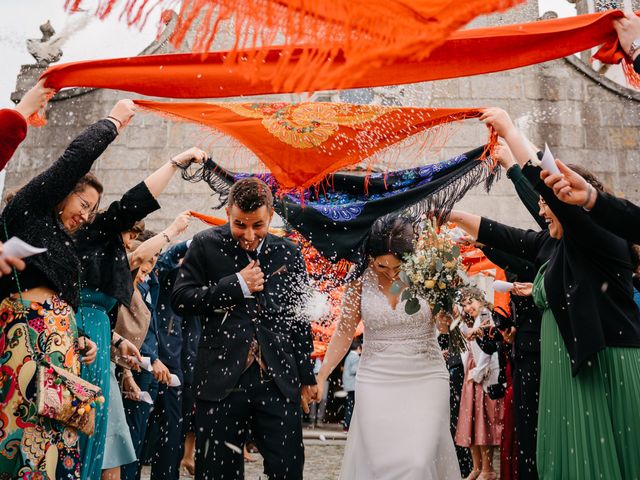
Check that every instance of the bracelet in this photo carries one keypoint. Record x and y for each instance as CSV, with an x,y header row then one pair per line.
x,y
589,193
118,342
176,164
166,237
115,120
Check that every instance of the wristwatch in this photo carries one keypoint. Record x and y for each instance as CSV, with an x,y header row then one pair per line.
x,y
635,46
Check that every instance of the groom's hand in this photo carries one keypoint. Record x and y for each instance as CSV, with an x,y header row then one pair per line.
x,y
253,276
308,395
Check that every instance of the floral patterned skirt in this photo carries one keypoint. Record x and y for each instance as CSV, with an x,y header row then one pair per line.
x,y
34,447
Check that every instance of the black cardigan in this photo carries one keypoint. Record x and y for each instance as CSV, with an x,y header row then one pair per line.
x,y
617,215
587,280
105,266
32,215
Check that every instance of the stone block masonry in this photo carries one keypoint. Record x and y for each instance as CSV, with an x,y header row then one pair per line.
x,y
582,121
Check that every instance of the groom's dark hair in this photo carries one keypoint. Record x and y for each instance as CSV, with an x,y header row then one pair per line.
x,y
249,194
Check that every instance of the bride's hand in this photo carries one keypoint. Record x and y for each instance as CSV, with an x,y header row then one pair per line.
x,y
319,391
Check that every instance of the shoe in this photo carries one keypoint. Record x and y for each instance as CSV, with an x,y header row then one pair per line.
x,y
474,475
188,469
488,476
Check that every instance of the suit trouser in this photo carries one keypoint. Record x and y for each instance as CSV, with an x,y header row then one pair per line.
x,y
138,418
166,420
456,380
348,412
275,424
526,386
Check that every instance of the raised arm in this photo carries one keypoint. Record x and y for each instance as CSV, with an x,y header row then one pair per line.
x,y
528,196
45,191
141,200
13,122
343,335
617,215
158,180
628,30
155,244
524,244
500,121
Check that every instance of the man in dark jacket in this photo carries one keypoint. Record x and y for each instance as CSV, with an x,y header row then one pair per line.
x,y
165,422
254,359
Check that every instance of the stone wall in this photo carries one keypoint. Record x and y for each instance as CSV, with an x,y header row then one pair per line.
x,y
557,102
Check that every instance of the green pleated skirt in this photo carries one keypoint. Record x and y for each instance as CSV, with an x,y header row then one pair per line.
x,y
588,425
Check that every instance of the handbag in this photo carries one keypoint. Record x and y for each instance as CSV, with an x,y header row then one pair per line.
x,y
132,324
63,396
60,395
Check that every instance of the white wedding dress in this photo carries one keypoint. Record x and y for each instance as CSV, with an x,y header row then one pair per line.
x,y
400,424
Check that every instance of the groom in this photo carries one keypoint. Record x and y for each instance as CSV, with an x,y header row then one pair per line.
x,y
253,369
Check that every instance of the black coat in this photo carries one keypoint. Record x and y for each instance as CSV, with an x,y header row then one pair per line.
x,y
207,285
32,216
617,215
105,266
169,324
587,280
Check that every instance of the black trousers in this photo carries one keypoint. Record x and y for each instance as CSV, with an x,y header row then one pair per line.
x,y
526,385
166,419
456,379
348,413
275,424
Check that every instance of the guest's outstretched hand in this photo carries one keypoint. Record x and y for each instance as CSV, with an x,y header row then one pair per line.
x,y
7,263
522,289
130,388
34,99
122,113
129,352
179,225
570,187
628,29
503,156
88,350
193,155
160,372
499,120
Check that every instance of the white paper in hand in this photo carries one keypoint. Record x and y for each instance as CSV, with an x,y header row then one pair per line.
x,y
548,163
146,397
14,247
502,286
175,381
458,235
145,364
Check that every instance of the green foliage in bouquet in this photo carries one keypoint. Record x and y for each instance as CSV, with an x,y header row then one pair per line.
x,y
431,272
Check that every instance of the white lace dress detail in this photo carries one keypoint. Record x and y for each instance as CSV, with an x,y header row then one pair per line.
x,y
385,327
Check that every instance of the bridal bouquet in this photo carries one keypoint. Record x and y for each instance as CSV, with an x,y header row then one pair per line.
x,y
431,273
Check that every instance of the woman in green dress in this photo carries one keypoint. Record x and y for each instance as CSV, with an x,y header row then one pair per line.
x,y
588,425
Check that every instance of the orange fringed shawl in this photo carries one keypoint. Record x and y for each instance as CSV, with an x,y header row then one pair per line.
x,y
302,143
368,32
467,52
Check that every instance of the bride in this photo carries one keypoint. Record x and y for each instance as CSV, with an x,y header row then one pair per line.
x,y
400,425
